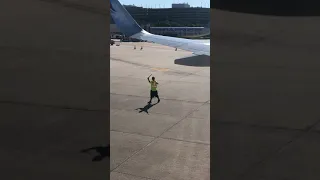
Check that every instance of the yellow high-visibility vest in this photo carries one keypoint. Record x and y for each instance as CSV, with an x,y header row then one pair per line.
x,y
153,85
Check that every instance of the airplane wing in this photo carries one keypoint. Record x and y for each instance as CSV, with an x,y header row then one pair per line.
x,y
128,26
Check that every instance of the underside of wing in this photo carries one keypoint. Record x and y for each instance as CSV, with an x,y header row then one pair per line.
x,y
198,47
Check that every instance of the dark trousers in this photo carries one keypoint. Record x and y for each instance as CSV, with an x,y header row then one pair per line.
x,y
154,94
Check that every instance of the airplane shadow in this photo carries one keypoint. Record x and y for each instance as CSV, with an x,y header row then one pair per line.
x,y
103,152
200,61
146,108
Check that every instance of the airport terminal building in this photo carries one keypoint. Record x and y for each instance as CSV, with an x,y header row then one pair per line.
x,y
184,16
180,17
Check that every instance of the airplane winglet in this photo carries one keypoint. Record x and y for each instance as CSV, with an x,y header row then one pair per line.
x,y
124,21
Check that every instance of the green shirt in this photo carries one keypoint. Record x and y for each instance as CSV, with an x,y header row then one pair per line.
x,y
153,85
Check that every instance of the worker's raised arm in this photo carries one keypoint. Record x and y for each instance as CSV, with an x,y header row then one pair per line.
x,y
149,77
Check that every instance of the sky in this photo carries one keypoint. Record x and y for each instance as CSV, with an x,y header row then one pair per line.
x,y
165,3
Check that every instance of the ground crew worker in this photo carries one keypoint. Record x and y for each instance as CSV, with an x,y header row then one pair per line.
x,y
153,91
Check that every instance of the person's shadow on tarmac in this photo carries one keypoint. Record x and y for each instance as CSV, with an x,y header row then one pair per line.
x,y
146,108
103,151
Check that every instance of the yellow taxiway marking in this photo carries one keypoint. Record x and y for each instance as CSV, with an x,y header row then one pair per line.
x,y
160,69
